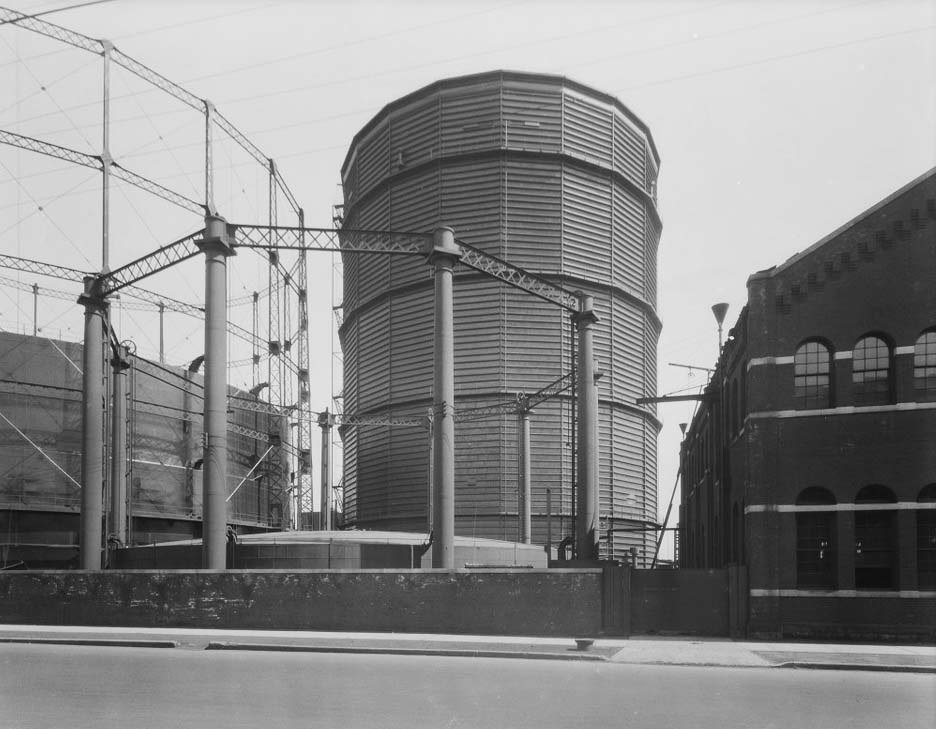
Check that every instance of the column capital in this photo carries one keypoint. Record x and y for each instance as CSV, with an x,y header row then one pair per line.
x,y
219,236
586,315
442,248
92,299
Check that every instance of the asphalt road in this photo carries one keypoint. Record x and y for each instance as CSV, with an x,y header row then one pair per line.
x,y
137,688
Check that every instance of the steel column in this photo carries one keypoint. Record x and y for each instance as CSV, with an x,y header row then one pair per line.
x,y
92,426
217,246
106,160
586,532
326,421
117,518
523,469
442,255
162,333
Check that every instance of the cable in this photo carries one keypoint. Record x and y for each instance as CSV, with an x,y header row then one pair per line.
x,y
40,208
56,10
781,57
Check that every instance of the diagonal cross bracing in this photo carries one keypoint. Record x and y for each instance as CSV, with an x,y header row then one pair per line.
x,y
322,239
43,269
93,45
158,260
95,163
517,277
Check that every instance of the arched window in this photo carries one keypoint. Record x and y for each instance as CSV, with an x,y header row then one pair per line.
x,y
924,365
926,538
815,557
812,375
871,371
875,539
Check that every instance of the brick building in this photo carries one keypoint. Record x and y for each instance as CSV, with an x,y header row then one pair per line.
x,y
812,459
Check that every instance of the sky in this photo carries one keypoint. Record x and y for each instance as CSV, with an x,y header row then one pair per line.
x,y
776,122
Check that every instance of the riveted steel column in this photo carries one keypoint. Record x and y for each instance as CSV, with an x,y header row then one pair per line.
x,y
586,528
92,426
523,469
217,246
117,519
443,254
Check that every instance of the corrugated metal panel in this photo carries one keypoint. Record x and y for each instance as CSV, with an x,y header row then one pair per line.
x,y
365,275
586,225
470,202
587,128
652,242
532,118
414,206
533,214
533,342
628,361
373,386
471,120
478,337
478,465
550,453
630,151
373,160
542,217
408,479
411,355
629,244
414,135
373,468
351,358
349,476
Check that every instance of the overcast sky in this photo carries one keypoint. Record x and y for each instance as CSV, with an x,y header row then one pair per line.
x,y
776,122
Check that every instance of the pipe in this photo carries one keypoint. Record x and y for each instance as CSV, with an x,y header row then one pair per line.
x,y
118,503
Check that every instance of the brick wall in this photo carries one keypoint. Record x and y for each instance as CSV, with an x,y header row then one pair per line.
x,y
507,602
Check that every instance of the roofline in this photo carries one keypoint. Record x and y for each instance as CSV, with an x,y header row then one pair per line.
x,y
796,257
502,75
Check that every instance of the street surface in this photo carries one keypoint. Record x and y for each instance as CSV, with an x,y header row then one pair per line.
x,y
110,687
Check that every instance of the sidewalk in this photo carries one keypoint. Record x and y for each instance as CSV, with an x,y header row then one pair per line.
x,y
638,651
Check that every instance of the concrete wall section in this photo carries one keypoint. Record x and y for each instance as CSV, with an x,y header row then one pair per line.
x,y
507,602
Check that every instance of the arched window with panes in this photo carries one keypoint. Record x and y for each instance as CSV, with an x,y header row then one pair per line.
x,y
926,537
924,366
872,381
815,525
875,538
812,375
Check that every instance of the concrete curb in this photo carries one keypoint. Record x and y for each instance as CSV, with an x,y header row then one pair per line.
x,y
887,667
115,642
458,652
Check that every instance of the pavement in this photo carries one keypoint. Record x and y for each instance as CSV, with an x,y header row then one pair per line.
x,y
640,650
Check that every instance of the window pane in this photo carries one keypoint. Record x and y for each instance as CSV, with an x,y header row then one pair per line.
x,y
924,366
871,372
811,375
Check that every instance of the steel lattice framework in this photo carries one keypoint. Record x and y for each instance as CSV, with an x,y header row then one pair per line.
x,y
287,315
287,366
